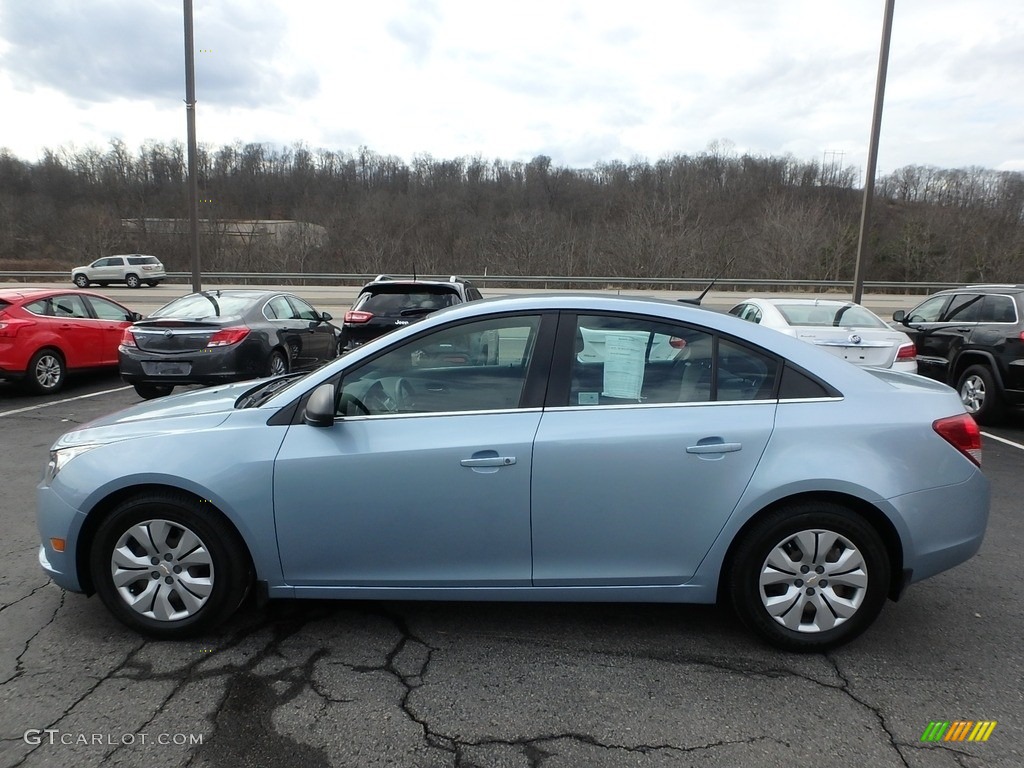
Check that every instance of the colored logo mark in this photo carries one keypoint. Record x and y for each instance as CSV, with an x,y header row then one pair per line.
x,y
958,730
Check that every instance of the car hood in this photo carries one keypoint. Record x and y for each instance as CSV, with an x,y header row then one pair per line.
x,y
185,412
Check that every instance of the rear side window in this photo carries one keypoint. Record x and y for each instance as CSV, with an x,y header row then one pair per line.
x,y
143,260
998,309
627,360
964,308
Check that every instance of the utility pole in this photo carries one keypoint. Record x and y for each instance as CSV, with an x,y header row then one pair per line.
x,y
869,177
190,112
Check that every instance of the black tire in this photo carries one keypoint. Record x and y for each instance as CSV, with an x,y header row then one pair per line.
x,y
149,391
979,394
203,568
46,372
132,281
277,364
81,281
859,593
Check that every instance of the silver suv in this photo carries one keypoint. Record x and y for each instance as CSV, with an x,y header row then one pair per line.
x,y
132,269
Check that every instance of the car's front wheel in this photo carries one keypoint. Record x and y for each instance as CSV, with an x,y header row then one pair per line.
x,y
81,281
810,576
46,372
150,391
977,388
167,567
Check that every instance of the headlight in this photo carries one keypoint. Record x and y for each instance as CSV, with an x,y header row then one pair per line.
x,y
62,456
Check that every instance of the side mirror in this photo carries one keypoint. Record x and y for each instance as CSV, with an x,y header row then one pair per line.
x,y
326,317
134,316
320,407
900,316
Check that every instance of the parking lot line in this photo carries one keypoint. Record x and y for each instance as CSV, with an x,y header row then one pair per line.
x,y
986,434
28,408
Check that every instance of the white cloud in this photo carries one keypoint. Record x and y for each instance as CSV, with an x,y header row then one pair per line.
x,y
583,81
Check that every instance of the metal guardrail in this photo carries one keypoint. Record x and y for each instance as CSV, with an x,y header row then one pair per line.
x,y
545,281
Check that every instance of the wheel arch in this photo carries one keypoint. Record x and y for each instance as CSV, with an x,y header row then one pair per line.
x,y
102,509
971,357
864,509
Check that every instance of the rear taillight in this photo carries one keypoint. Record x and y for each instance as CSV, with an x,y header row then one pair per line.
x,y
128,338
356,316
907,352
227,336
962,433
9,326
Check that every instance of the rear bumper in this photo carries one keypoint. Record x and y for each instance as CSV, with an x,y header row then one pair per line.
x,y
207,366
943,526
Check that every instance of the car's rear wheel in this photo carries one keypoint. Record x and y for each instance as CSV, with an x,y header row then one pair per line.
x,y
810,576
978,393
132,281
81,281
277,364
46,372
169,566
149,391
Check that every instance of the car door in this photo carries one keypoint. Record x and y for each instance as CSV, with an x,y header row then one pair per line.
x,y
109,269
639,462
940,327
321,343
111,319
424,478
81,338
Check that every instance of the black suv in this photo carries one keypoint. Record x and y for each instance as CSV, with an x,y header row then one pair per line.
x,y
388,302
972,339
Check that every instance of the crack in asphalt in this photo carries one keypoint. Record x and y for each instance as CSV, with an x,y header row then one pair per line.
x,y
70,708
44,585
877,712
18,667
537,756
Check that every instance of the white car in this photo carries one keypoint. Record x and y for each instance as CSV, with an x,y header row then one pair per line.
x,y
132,269
843,328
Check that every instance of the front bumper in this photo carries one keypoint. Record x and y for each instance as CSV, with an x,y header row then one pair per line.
x,y
56,519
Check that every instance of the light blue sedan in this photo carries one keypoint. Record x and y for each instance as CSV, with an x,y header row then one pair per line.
x,y
479,455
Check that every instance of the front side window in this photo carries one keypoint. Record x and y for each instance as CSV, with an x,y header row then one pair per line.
x,y
928,311
301,310
623,361
108,310
478,366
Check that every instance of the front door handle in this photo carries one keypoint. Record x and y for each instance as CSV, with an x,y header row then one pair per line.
x,y
718,447
489,461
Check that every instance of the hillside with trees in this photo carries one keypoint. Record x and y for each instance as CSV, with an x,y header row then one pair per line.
x,y
688,216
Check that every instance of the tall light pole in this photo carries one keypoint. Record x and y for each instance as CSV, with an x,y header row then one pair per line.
x,y
190,112
869,176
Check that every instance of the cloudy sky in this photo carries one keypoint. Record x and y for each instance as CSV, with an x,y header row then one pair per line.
x,y
582,81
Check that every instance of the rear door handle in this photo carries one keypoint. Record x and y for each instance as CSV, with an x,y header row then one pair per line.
x,y
489,461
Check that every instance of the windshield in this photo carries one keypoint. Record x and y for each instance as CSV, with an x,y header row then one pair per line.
x,y
197,306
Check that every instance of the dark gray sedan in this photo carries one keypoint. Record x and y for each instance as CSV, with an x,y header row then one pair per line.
x,y
214,337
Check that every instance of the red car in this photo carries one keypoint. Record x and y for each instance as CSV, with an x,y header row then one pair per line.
x,y
47,332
